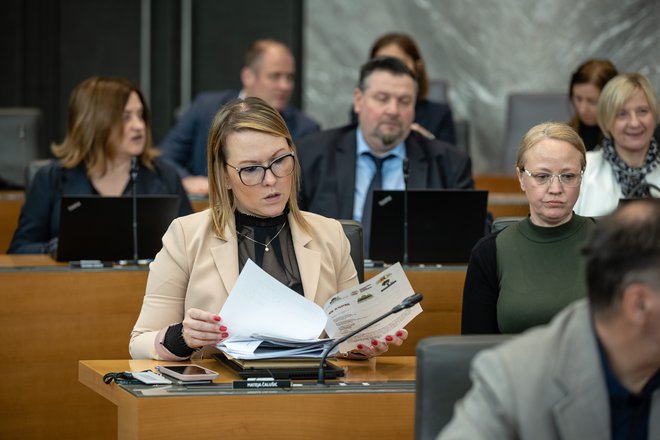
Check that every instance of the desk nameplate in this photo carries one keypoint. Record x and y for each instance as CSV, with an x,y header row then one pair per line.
x,y
225,389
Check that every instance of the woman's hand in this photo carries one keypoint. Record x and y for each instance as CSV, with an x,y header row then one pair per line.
x,y
202,328
378,347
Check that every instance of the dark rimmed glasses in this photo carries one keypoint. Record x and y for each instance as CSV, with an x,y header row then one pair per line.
x,y
254,174
570,180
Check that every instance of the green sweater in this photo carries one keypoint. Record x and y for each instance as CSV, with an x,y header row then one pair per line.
x,y
539,271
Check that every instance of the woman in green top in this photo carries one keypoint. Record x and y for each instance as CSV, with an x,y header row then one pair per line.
x,y
523,275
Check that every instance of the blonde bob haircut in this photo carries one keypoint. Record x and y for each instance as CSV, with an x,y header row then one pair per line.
x,y
558,131
96,125
237,116
615,94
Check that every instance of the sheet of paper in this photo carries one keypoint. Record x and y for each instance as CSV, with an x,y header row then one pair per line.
x,y
260,305
352,308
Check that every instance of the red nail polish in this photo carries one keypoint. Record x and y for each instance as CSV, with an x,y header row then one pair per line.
x,y
217,318
224,335
388,338
360,346
374,342
399,333
223,328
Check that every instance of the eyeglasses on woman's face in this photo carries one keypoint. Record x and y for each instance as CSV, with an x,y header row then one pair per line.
x,y
570,180
252,175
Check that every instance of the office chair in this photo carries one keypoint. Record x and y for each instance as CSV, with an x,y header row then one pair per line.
x,y
443,378
503,222
353,231
526,110
21,141
437,90
32,168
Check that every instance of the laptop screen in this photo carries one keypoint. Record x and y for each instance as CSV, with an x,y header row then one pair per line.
x,y
101,228
443,225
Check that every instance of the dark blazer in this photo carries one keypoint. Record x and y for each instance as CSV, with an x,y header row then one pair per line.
x,y
39,221
328,169
435,116
185,144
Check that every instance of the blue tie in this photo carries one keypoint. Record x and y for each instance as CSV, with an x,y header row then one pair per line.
x,y
376,183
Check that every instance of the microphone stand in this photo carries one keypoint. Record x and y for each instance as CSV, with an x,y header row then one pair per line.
x,y
134,174
405,304
406,173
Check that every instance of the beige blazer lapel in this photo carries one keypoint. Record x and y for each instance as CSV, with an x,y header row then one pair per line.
x,y
225,257
584,411
309,260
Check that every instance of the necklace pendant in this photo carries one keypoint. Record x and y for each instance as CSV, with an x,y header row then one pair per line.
x,y
267,249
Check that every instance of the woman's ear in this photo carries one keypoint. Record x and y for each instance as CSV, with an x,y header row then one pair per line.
x,y
520,179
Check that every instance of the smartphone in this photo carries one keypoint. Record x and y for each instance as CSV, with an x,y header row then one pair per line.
x,y
188,372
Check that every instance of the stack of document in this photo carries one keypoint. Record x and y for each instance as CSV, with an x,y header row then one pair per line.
x,y
266,347
268,320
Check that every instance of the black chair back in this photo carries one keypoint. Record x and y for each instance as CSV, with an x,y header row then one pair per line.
x,y
443,377
353,231
21,141
503,222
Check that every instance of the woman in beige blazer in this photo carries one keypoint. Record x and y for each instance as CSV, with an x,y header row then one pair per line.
x,y
253,183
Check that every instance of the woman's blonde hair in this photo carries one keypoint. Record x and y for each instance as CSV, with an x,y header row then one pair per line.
x,y
615,94
550,130
236,116
96,124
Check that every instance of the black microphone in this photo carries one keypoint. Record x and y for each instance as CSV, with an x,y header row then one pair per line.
x,y
405,304
134,174
406,173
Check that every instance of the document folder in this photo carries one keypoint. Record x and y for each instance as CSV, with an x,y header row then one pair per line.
x,y
282,368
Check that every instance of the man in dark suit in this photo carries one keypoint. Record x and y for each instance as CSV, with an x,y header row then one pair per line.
x,y
339,165
268,74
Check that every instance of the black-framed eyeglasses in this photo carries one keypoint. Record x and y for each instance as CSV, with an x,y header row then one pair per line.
x,y
254,174
570,180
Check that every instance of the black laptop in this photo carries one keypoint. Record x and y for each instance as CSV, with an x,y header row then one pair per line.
x,y
443,225
101,228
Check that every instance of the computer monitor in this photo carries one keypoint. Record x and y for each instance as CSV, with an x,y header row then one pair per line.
x,y
443,225
101,228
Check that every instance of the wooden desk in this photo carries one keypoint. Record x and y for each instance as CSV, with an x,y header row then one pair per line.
x,y
508,204
498,183
443,301
10,209
49,318
505,198
318,413
52,316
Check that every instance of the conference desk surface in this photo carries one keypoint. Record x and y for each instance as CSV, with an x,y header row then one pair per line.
x,y
51,316
378,401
